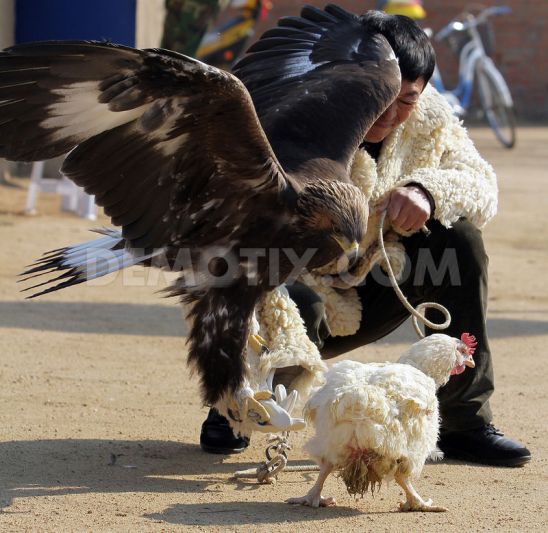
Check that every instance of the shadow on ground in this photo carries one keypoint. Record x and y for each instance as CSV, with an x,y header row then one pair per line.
x,y
94,317
67,466
78,466
248,513
163,320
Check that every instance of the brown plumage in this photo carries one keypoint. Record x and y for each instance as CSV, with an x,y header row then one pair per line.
x,y
174,151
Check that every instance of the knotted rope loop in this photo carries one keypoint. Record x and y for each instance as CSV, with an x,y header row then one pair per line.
x,y
418,313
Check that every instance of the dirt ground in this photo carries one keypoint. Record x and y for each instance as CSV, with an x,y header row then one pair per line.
x,y
99,372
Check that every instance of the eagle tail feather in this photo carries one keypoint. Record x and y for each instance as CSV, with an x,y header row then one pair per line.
x,y
83,262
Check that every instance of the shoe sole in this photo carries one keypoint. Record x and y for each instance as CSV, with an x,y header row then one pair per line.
x,y
222,451
460,456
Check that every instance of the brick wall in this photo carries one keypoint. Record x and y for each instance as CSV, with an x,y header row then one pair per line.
x,y
521,44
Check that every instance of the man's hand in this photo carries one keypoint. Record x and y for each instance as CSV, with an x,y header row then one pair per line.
x,y
408,208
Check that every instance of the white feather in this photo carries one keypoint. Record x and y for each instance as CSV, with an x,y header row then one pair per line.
x,y
97,257
389,410
80,112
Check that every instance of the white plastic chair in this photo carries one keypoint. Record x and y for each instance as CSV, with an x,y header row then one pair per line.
x,y
73,198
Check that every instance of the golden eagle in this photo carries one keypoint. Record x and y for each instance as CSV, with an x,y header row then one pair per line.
x,y
174,151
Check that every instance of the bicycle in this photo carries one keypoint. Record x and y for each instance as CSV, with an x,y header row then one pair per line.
x,y
471,38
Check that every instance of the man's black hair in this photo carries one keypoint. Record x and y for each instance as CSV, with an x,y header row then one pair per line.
x,y
409,42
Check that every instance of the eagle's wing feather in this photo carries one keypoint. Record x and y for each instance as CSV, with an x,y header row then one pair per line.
x,y
323,56
173,149
161,139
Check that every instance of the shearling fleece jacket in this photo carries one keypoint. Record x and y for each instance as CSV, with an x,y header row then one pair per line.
x,y
432,149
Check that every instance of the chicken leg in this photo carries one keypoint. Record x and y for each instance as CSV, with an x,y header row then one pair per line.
x,y
314,496
414,502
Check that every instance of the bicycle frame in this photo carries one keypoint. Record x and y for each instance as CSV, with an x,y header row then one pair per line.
x,y
460,96
472,57
475,64
471,54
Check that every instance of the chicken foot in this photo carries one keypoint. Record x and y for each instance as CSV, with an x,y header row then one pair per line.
x,y
414,502
314,496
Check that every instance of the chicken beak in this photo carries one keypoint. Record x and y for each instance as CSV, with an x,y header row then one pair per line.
x,y
469,362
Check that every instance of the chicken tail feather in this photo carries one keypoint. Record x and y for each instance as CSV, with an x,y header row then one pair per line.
x,y
358,473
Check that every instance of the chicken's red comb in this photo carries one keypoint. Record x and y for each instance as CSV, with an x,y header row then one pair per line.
x,y
470,341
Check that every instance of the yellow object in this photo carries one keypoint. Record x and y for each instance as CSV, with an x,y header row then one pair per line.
x,y
346,246
257,343
226,38
263,395
251,404
411,9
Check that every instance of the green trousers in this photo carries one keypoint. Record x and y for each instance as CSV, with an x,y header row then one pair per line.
x,y
448,266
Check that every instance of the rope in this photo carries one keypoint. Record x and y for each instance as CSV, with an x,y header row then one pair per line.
x,y
420,312
267,471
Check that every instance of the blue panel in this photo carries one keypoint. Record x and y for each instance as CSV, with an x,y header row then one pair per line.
x,y
112,20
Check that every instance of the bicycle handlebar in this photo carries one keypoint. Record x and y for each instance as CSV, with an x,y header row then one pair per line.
x,y
457,25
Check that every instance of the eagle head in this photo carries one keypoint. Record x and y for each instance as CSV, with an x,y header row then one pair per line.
x,y
332,216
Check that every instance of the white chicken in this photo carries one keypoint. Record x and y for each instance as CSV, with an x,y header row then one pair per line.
x,y
380,421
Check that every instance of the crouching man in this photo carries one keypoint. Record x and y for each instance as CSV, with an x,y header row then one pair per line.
x,y
424,169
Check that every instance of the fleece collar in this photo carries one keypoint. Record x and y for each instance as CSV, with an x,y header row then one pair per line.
x,y
431,112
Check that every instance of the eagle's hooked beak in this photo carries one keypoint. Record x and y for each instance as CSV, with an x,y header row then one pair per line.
x,y
350,250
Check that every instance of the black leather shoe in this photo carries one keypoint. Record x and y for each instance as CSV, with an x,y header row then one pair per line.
x,y
486,445
217,436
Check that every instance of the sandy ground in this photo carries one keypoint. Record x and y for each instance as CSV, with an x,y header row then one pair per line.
x,y
97,371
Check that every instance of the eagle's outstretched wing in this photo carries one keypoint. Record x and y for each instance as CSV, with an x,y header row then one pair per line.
x,y
318,83
168,145
174,151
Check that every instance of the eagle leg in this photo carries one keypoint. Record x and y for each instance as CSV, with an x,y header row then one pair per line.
x,y
218,338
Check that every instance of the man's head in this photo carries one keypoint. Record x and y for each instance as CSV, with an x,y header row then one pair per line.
x,y
409,42
416,59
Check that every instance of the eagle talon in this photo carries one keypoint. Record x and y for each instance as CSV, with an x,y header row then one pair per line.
x,y
255,410
234,415
263,395
258,344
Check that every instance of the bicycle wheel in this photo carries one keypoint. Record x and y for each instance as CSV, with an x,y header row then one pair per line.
x,y
496,104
